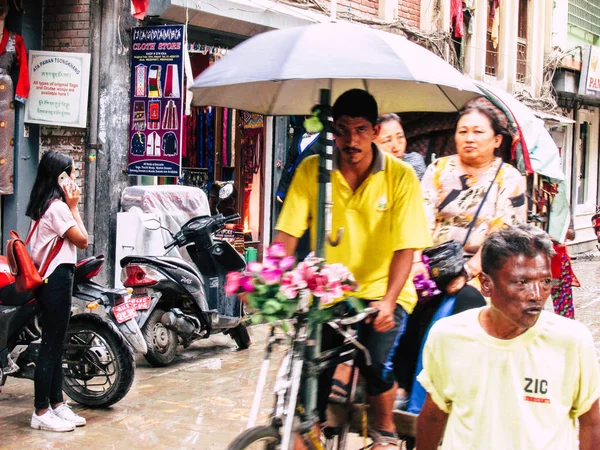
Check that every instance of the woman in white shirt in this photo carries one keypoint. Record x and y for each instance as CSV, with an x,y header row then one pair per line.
x,y
56,233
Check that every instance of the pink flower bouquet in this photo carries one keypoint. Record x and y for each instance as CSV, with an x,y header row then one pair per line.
x,y
276,289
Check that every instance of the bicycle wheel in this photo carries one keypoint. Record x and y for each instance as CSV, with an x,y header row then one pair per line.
x,y
257,438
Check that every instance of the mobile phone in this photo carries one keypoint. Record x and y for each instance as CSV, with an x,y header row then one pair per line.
x,y
63,179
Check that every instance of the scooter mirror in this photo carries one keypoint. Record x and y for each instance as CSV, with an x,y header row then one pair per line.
x,y
226,191
152,224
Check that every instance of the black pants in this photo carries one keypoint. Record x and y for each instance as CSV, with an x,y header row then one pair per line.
x,y
379,376
407,353
54,298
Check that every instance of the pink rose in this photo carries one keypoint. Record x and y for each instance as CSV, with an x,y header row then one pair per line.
x,y
270,263
247,284
232,283
255,267
271,276
287,263
277,250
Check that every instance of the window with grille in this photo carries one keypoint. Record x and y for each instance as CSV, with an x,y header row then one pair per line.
x,y
491,56
585,14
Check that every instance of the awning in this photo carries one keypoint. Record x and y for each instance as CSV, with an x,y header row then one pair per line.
x,y
553,119
241,17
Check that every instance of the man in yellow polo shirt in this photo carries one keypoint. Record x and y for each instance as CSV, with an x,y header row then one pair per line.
x,y
511,375
377,201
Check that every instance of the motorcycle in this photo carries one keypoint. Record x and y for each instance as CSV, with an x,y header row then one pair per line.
x,y
179,302
98,360
596,225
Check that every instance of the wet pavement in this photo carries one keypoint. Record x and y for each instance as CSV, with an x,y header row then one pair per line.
x,y
202,401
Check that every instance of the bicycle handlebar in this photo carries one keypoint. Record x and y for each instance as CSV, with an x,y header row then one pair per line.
x,y
367,312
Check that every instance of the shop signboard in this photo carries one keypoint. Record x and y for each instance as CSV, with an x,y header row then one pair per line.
x,y
59,88
589,82
156,109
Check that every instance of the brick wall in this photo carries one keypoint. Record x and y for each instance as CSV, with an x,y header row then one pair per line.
x,y
408,10
368,8
66,28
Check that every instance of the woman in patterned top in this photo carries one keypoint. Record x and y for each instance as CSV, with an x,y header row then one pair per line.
x,y
453,188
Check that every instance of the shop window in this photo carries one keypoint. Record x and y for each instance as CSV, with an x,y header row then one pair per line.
x,y
522,42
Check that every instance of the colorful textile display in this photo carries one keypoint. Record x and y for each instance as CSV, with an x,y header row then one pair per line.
x,y
170,121
199,144
154,89
139,115
172,82
154,115
562,272
140,80
12,51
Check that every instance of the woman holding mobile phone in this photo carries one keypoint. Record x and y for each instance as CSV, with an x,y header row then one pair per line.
x,y
56,233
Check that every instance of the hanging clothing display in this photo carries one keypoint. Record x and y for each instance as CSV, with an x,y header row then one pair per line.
x,y
12,52
199,145
494,20
252,150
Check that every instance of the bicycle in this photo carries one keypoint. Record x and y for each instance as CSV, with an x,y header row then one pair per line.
x,y
289,418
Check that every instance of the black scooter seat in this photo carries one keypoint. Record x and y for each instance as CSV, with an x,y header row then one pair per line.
x,y
10,297
164,261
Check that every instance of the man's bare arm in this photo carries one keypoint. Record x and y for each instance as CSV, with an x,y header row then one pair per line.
x,y
589,428
430,425
289,242
397,276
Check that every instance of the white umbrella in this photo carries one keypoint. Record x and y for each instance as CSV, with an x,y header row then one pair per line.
x,y
281,72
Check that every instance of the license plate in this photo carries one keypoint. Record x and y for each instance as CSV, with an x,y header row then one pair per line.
x,y
141,302
124,312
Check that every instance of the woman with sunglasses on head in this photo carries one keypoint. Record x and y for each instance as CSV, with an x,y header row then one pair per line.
x,y
55,234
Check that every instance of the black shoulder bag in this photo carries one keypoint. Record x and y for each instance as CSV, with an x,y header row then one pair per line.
x,y
447,260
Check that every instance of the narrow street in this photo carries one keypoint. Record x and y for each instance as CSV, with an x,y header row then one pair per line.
x,y
203,400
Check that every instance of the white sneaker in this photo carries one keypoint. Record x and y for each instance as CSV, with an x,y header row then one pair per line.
x,y
65,412
50,422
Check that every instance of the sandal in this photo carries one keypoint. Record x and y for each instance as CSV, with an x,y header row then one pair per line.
x,y
383,438
339,391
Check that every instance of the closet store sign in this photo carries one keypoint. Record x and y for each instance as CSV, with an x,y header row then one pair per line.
x,y
155,126
59,88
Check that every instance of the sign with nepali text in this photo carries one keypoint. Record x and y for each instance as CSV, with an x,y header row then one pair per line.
x,y
156,109
59,88
589,82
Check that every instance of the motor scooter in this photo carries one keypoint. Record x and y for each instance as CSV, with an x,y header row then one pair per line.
x,y
98,360
179,302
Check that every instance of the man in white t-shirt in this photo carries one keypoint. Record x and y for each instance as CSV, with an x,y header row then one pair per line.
x,y
511,376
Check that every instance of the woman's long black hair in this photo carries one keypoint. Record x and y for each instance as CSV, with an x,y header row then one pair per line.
x,y
46,188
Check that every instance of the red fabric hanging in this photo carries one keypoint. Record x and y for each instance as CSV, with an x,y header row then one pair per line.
x,y
139,8
456,18
22,87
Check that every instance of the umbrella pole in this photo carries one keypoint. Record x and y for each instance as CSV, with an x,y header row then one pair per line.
x,y
324,208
